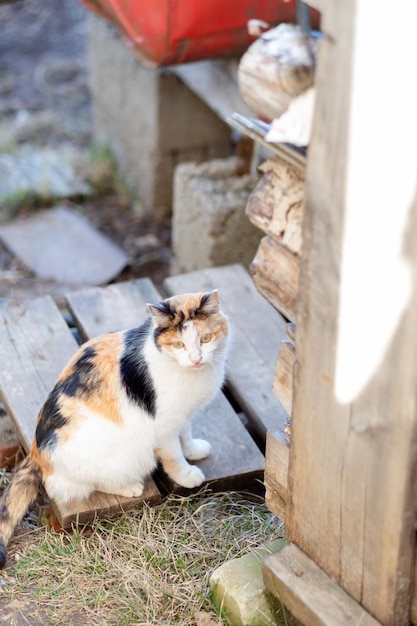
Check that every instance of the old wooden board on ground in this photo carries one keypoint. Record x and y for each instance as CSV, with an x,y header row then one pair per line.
x,y
35,344
309,593
78,254
257,331
235,460
115,307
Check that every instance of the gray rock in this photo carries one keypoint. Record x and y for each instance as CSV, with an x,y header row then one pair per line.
x,y
238,588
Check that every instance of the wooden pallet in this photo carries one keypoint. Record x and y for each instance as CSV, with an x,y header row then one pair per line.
x,y
36,343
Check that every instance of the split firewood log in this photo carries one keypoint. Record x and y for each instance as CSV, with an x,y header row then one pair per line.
x,y
276,68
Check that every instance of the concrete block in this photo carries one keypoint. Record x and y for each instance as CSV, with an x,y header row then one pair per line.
x,y
238,588
209,224
148,118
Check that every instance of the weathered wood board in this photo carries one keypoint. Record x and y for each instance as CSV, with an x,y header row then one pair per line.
x,y
35,345
257,330
38,343
309,593
77,253
103,505
213,81
284,372
352,481
116,307
277,456
235,460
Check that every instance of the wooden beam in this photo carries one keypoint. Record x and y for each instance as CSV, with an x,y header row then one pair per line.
x,y
352,504
215,82
276,473
284,375
308,593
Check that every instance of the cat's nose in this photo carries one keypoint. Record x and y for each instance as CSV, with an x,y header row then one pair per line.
x,y
196,361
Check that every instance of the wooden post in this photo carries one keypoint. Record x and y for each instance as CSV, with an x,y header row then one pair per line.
x,y
352,490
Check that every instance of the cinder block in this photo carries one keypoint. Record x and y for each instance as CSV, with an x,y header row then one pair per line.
x,y
209,224
148,118
239,590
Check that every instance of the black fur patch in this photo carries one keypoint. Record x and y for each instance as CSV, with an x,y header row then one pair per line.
x,y
50,419
134,370
82,379
3,555
80,382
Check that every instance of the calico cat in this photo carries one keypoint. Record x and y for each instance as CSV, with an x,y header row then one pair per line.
x,y
122,403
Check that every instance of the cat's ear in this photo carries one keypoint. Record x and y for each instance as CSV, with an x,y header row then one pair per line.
x,y
161,313
210,303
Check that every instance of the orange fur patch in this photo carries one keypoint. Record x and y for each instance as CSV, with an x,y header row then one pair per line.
x,y
187,307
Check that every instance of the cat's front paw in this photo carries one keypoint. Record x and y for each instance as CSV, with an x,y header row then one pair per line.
x,y
130,491
197,449
190,477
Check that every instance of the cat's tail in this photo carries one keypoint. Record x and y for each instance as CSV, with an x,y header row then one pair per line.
x,y
18,496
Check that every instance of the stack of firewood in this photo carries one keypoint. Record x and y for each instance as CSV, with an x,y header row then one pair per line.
x,y
273,74
276,207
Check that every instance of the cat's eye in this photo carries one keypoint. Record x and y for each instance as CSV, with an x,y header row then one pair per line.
x,y
206,338
178,344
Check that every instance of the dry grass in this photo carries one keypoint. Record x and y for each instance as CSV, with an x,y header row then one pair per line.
x,y
146,567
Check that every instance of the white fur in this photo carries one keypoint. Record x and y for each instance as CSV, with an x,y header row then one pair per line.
x,y
105,456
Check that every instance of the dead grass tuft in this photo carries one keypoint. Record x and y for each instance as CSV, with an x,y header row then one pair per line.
x,y
147,567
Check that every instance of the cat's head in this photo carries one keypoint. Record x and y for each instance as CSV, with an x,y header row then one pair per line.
x,y
191,328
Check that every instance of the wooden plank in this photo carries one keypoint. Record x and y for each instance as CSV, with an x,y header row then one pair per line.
x,y
35,345
284,374
414,599
78,254
257,130
257,330
122,305
309,593
235,459
275,272
277,456
103,505
352,460
215,82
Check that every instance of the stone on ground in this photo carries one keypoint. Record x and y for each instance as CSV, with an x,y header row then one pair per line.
x,y
239,590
